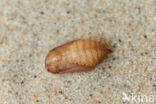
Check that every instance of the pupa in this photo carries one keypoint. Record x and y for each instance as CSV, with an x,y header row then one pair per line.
x,y
76,56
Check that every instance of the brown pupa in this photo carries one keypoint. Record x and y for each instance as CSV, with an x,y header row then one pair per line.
x,y
76,56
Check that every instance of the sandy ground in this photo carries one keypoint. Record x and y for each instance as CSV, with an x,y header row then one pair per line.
x,y
30,28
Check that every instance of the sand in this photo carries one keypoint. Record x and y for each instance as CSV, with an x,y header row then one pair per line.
x,y
30,28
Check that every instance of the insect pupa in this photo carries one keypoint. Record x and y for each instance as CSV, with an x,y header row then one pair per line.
x,y
76,56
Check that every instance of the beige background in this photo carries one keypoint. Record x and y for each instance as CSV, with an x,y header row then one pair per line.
x,y
30,28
